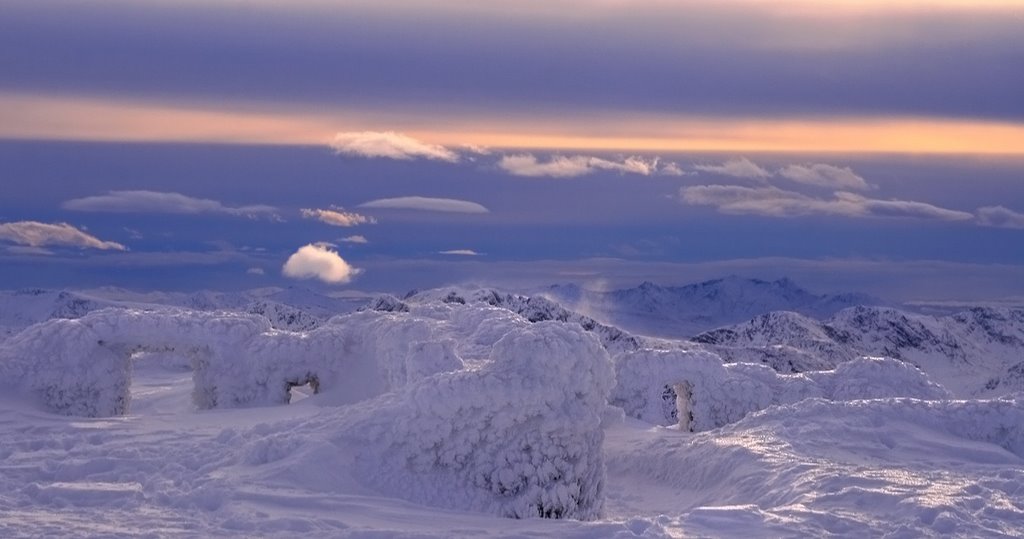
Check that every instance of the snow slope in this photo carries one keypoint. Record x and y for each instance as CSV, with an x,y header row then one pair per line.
x,y
683,311
899,468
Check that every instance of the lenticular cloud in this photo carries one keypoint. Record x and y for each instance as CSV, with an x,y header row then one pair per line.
x,y
390,145
319,262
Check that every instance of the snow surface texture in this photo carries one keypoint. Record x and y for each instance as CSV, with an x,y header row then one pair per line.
x,y
818,468
695,390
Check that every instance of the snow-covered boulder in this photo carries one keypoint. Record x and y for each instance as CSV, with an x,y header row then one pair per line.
x,y
695,390
520,436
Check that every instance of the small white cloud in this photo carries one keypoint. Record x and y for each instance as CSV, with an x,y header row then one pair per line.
x,y
561,166
36,234
999,216
775,202
823,175
337,217
255,271
318,262
737,168
390,145
163,202
355,239
460,252
450,205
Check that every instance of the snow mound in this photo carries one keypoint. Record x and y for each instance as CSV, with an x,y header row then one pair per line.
x,y
695,390
518,437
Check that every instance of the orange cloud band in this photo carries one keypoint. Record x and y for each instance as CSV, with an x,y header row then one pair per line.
x,y
91,119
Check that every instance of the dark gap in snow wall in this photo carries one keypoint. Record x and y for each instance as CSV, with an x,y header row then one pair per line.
x,y
301,389
677,403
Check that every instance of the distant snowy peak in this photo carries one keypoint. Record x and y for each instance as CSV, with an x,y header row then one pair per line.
x,y
283,316
979,351
285,308
21,308
682,311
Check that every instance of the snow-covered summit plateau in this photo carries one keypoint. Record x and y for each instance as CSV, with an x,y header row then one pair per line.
x,y
467,411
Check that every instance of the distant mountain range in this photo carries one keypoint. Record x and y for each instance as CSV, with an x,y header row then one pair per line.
x,y
977,352
294,309
684,311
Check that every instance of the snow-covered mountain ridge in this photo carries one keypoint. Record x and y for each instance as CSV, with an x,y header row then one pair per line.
x,y
286,308
979,351
683,311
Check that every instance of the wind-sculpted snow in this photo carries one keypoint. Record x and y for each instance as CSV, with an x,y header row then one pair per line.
x,y
997,421
895,467
695,390
520,436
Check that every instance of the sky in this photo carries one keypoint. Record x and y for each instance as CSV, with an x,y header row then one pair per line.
x,y
382,146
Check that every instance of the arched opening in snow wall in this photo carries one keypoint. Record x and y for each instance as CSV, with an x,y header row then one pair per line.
x,y
84,366
300,389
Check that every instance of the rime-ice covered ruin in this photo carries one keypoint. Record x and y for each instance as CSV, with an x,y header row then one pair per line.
x,y
501,396
694,389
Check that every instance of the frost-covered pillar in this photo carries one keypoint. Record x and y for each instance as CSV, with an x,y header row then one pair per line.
x,y
520,437
69,368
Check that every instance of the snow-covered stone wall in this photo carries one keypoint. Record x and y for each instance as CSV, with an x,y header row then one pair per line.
x,y
519,436
695,390
83,366
66,367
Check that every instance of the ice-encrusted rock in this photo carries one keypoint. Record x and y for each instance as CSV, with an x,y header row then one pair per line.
x,y
695,390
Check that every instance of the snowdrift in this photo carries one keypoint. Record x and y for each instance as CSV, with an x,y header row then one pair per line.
x,y
694,389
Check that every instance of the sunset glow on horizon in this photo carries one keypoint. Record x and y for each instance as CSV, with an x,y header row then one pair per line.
x,y
204,136
41,118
